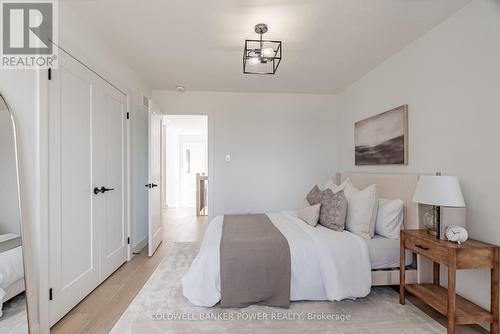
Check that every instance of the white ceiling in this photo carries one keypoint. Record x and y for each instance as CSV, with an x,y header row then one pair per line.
x,y
327,44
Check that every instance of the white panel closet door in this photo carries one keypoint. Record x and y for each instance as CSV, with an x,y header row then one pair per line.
x,y
87,230
155,229
113,226
73,229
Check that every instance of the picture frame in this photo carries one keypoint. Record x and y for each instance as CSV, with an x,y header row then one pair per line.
x,y
382,139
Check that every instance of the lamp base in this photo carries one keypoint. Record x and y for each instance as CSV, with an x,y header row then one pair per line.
x,y
432,222
438,222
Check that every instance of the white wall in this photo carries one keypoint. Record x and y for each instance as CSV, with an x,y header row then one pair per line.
x,y
172,167
450,78
281,145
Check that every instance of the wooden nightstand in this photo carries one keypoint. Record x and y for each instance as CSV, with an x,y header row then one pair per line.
x,y
471,254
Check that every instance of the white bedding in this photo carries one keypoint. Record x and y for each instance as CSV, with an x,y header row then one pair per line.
x,y
11,268
326,265
384,252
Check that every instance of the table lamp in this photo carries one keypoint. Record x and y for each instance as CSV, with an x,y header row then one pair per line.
x,y
437,190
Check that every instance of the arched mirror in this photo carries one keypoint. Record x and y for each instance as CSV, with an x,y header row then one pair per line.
x,y
13,305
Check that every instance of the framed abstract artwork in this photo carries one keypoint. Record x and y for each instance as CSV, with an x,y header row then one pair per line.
x,y
382,139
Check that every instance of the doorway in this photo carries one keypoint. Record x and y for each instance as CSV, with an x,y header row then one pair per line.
x,y
186,178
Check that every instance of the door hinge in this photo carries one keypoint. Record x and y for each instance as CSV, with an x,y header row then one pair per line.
x,y
50,294
128,115
50,73
128,240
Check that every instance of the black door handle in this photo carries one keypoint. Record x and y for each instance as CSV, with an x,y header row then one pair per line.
x,y
104,189
153,185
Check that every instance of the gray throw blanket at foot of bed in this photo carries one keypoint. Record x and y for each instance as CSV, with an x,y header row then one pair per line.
x,y
254,262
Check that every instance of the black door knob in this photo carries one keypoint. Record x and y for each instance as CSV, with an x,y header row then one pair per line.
x,y
154,185
104,189
97,190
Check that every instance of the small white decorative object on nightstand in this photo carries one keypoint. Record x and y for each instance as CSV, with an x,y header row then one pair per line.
x,y
456,234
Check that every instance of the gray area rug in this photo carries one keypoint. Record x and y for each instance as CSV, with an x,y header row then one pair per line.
x,y
14,319
160,307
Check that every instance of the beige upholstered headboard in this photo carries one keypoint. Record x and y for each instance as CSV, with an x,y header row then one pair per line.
x,y
390,186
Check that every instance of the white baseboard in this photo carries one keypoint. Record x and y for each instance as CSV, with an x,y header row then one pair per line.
x,y
35,329
140,245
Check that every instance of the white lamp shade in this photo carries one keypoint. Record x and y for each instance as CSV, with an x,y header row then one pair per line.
x,y
439,191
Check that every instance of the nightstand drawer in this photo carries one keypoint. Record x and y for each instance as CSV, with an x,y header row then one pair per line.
x,y
427,249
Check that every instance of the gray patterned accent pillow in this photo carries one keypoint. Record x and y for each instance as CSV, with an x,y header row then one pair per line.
x,y
314,196
333,207
333,210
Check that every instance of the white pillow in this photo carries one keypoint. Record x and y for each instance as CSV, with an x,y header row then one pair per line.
x,y
389,218
336,188
310,214
362,207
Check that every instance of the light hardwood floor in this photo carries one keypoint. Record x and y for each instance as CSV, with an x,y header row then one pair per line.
x,y
100,310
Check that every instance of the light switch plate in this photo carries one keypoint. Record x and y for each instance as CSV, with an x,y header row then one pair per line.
x,y
228,157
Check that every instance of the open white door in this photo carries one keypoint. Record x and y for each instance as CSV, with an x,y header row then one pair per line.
x,y
155,212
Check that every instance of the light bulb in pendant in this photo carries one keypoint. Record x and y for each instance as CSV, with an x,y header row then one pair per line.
x,y
254,61
268,52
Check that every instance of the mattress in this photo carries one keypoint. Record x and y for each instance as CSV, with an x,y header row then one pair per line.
x,y
384,252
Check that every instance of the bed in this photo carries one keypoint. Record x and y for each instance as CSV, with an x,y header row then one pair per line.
x,y
384,253
325,265
11,267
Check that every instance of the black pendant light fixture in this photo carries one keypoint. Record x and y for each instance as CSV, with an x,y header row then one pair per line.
x,y
261,56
